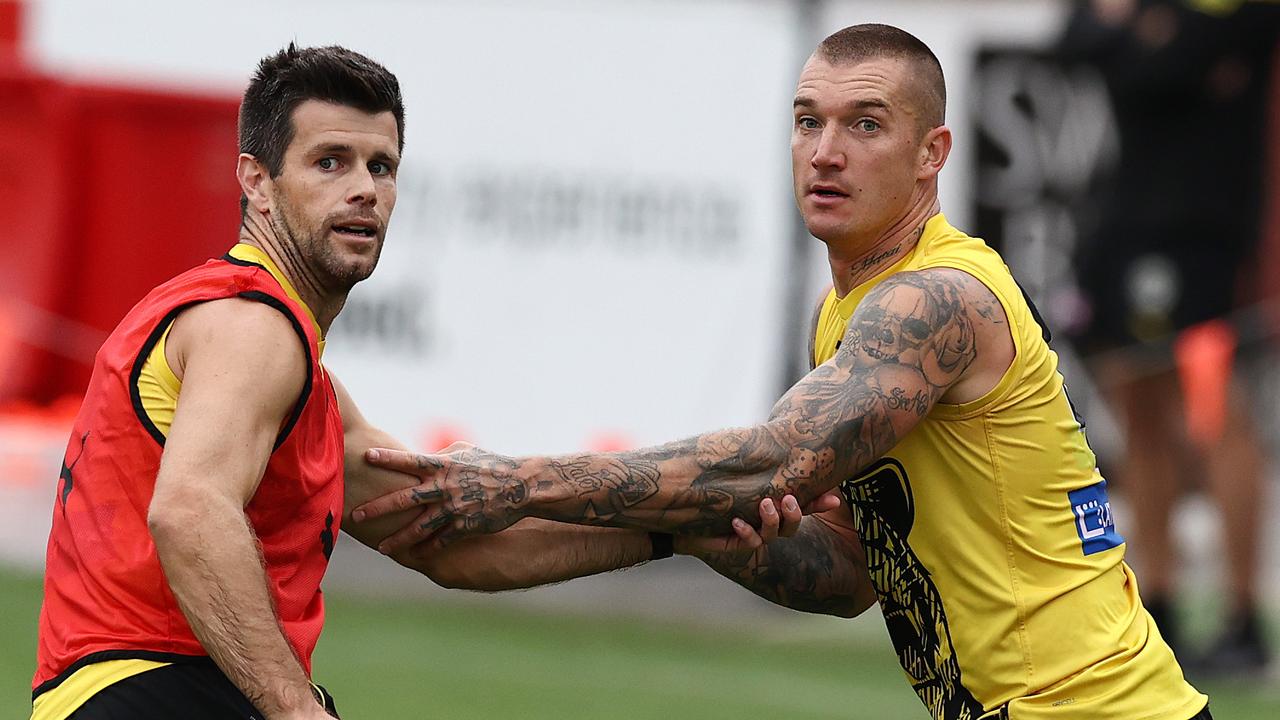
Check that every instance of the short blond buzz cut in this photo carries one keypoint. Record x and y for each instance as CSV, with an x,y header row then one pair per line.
x,y
858,43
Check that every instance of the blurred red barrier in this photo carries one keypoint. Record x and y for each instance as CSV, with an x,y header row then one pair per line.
x,y
36,182
10,29
109,191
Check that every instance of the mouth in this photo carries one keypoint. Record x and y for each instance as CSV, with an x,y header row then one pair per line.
x,y
827,191
356,229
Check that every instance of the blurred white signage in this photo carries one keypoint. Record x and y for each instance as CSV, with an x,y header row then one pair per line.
x,y
594,203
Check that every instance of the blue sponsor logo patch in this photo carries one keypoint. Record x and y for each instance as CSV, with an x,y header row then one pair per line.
x,y
1094,523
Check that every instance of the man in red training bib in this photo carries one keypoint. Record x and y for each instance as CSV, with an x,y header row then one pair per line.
x,y
202,487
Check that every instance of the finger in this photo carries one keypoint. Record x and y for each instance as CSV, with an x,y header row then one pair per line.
x,y
823,503
425,494
769,520
422,529
460,526
404,461
791,517
746,536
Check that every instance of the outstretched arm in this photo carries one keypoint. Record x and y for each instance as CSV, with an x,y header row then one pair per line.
x,y
911,340
532,552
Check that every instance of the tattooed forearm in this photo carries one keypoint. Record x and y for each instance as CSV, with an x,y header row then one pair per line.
x,y
624,490
909,341
911,338
607,484
815,571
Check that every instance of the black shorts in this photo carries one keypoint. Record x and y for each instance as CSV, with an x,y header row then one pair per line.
x,y
1143,285
195,690
1203,714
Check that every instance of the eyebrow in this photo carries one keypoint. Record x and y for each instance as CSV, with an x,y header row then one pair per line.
x,y
804,102
332,148
346,148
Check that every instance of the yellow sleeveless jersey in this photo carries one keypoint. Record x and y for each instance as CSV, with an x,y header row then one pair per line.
x,y
990,542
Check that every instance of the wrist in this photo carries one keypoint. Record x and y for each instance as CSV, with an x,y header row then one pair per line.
x,y
295,699
542,488
316,712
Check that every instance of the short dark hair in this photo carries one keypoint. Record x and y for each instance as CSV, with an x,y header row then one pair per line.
x,y
857,43
294,75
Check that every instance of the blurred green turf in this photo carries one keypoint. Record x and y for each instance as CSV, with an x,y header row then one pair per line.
x,y
430,660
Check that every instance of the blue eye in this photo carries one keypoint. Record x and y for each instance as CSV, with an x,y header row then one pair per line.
x,y
379,168
868,125
807,123
328,163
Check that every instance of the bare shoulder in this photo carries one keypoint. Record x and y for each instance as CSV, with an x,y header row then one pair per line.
x,y
943,322
243,369
948,291
240,337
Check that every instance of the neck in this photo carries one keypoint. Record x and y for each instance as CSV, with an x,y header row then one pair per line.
x,y
324,304
853,263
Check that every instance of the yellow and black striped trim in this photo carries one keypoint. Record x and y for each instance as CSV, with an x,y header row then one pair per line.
x,y
60,696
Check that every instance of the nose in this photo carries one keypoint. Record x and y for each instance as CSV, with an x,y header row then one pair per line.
x,y
828,154
363,189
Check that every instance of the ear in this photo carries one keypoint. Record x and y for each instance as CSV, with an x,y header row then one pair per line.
x,y
255,182
934,149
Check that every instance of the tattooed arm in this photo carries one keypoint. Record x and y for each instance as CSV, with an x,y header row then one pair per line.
x,y
820,568
916,338
532,552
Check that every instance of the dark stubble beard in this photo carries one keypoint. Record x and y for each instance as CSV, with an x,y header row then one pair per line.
x,y
312,252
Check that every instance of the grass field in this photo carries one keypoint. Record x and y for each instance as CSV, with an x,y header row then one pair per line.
x,y
420,660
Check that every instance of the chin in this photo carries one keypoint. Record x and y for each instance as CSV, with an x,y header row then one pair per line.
x,y
348,274
827,232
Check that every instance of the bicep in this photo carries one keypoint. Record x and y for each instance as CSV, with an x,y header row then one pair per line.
x,y
908,342
243,370
917,325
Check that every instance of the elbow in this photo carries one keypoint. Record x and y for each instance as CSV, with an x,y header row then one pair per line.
x,y
178,519
843,607
859,603
850,610
166,520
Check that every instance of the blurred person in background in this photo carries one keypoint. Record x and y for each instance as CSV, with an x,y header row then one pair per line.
x,y
973,511
1176,233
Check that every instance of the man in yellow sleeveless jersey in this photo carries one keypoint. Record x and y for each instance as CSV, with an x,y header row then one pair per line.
x,y
972,508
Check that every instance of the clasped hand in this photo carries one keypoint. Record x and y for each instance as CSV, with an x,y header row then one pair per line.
x,y
463,490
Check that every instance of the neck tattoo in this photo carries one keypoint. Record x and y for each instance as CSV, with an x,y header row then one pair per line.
x,y
869,262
